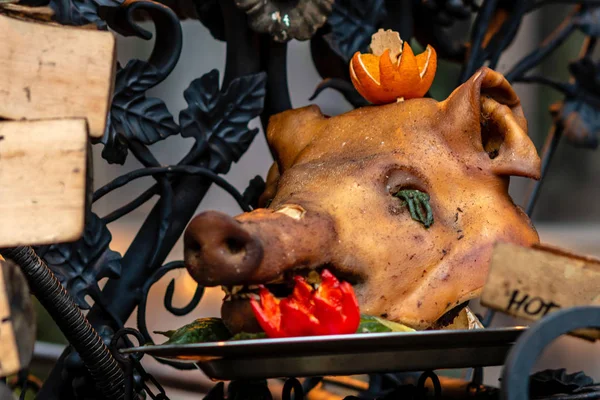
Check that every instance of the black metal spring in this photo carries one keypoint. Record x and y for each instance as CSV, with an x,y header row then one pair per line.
x,y
100,363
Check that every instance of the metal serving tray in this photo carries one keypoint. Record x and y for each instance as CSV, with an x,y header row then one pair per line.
x,y
343,354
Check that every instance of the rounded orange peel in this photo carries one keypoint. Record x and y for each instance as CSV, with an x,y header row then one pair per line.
x,y
380,79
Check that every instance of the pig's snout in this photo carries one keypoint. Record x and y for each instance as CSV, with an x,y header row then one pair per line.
x,y
218,250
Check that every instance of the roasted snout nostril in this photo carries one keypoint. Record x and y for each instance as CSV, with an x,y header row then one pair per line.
x,y
218,250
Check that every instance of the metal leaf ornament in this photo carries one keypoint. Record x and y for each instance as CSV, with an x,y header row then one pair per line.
x,y
352,23
81,12
81,264
134,115
218,119
445,12
579,114
115,146
588,21
554,381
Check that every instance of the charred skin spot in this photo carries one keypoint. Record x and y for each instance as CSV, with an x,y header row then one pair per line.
x,y
394,210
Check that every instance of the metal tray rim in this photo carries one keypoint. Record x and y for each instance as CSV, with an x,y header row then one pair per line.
x,y
306,340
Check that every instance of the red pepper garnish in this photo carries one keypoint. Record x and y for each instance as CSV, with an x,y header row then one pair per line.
x,y
329,310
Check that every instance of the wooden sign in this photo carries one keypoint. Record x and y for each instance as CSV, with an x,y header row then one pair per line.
x,y
532,282
42,181
17,320
50,71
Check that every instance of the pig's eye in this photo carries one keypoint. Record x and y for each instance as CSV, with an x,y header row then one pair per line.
x,y
418,205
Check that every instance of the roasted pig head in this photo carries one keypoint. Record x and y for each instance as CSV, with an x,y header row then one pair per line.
x,y
330,203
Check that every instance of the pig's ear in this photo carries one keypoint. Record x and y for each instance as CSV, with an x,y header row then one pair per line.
x,y
488,126
270,186
291,131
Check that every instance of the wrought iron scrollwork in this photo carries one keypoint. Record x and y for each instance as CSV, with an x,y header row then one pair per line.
x,y
218,119
523,355
81,12
292,390
348,30
106,374
81,264
578,114
133,116
136,377
352,23
251,390
552,381
141,314
167,42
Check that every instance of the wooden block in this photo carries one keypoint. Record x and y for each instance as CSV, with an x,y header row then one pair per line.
x,y
532,282
36,14
17,320
42,181
55,72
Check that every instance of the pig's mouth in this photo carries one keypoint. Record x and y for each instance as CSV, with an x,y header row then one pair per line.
x,y
283,286
236,311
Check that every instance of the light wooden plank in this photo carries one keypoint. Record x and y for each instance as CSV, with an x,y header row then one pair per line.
x,y
9,353
17,320
42,181
532,282
55,72
35,14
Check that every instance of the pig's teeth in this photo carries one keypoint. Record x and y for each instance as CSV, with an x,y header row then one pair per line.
x,y
236,289
226,290
253,296
313,277
253,287
279,279
227,298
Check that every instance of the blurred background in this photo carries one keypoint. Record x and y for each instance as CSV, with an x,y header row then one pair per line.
x,y
567,214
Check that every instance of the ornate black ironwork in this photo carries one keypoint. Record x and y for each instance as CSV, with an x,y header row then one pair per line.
x,y
141,313
217,117
106,374
348,30
352,23
80,265
522,357
136,377
292,387
552,381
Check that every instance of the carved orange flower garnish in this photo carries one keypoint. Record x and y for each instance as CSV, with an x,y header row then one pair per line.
x,y
392,72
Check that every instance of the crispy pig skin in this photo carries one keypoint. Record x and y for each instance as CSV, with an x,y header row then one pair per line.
x,y
343,170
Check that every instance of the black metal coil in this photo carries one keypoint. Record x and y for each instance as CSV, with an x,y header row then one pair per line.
x,y
102,366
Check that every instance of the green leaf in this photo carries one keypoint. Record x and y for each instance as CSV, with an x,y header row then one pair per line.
x,y
371,324
394,326
199,331
165,333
